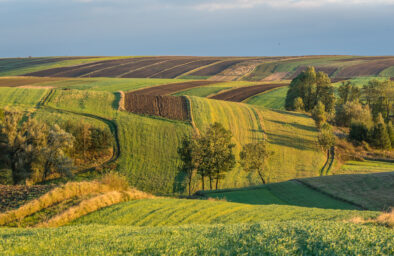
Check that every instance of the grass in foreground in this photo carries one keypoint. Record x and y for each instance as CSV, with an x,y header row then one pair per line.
x,y
265,238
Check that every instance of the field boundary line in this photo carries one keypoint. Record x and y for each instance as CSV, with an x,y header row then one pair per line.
x,y
329,194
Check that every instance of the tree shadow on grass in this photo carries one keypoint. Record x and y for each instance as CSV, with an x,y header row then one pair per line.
x,y
115,103
295,125
289,141
290,113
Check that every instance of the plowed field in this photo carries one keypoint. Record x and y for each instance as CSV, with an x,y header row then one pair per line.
x,y
241,94
366,69
167,89
170,107
215,69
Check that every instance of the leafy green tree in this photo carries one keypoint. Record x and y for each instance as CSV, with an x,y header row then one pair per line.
x,y
299,104
187,153
253,158
352,111
319,114
379,136
348,92
390,131
32,150
359,131
312,87
209,154
379,96
326,139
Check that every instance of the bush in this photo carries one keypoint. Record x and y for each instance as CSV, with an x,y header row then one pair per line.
x,y
319,114
358,132
352,112
115,180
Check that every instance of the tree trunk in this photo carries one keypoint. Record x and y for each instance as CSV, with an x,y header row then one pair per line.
x,y
202,182
217,182
328,155
261,177
190,185
210,182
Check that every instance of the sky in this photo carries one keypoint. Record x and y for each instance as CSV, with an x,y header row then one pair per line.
x,y
196,27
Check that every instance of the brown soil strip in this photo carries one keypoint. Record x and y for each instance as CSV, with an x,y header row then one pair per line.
x,y
215,69
170,107
172,88
242,93
11,197
370,68
328,70
180,70
154,69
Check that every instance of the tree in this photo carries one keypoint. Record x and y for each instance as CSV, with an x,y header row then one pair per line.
x,y
311,87
379,136
319,114
32,150
253,158
219,157
390,131
209,154
379,96
326,139
352,111
185,151
299,104
348,92
359,131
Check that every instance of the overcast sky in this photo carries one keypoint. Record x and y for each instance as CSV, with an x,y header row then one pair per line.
x,y
196,27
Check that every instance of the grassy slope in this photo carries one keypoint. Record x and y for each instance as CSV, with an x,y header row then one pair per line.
x,y
21,97
170,212
373,191
283,193
266,238
274,99
357,167
148,144
291,136
95,84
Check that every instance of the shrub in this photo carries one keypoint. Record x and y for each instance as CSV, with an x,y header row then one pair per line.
x,y
352,112
358,132
319,114
115,180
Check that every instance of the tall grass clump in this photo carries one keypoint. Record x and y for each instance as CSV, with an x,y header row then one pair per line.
x,y
384,219
109,182
94,204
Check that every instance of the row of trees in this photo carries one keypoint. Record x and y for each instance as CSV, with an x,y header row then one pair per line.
x,y
210,156
34,151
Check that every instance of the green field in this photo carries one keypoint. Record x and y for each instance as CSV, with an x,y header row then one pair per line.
x,y
358,167
265,238
274,99
171,212
372,191
282,193
21,97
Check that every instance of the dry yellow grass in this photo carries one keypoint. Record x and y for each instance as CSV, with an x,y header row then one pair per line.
x,y
69,190
94,204
384,219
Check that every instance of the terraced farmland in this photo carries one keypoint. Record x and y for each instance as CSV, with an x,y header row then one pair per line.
x,y
172,88
243,93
